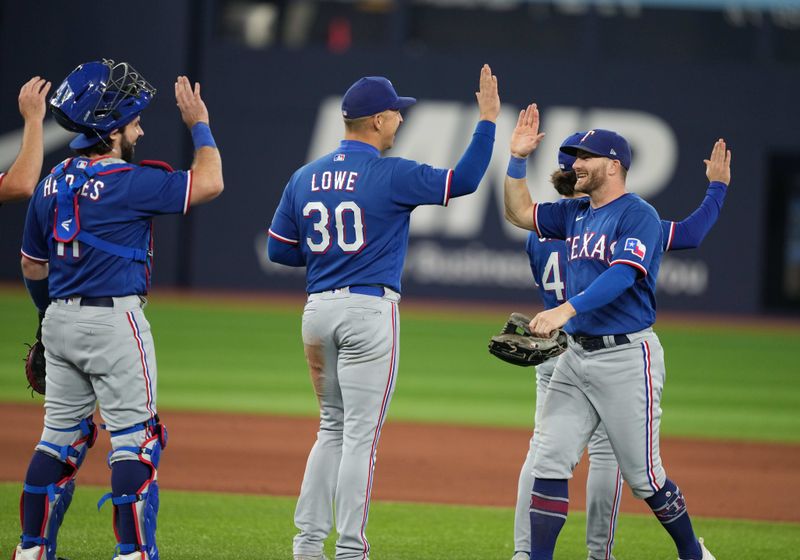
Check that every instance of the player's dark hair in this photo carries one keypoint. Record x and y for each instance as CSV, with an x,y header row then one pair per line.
x,y
102,147
564,182
99,149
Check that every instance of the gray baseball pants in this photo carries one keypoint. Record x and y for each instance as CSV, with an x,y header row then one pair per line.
x,y
352,347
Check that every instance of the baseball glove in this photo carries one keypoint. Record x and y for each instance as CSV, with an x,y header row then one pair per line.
x,y
517,345
35,364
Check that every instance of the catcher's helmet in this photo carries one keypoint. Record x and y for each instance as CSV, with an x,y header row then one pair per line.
x,y
99,97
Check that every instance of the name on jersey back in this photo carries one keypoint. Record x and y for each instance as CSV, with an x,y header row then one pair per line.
x,y
91,189
336,180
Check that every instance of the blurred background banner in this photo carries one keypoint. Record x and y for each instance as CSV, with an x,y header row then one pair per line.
x,y
670,76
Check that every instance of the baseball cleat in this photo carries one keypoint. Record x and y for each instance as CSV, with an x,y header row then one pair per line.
x,y
32,553
706,554
136,555
521,556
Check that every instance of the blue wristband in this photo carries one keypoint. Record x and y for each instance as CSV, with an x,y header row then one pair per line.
x,y
517,167
201,136
40,293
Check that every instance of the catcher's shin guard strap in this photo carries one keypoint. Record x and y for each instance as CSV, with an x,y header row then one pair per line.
x,y
138,512
69,445
134,490
57,500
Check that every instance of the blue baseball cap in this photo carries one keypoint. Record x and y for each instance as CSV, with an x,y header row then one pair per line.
x,y
372,95
601,142
565,160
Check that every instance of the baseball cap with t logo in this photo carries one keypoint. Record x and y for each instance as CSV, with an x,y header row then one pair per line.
x,y
601,142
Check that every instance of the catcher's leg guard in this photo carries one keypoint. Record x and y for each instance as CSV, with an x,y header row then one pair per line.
x,y
135,489
49,485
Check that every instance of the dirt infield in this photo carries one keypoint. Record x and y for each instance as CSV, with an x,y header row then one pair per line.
x,y
422,463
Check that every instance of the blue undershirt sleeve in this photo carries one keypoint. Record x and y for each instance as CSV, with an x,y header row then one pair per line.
x,y
284,253
39,291
689,233
469,170
606,288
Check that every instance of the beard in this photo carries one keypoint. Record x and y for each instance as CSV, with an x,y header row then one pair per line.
x,y
127,150
590,183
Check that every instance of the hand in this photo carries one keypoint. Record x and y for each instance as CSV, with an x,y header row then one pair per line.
x,y
718,166
193,109
488,98
548,321
32,95
526,135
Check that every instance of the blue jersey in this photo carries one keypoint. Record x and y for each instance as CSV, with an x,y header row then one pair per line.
x,y
348,212
116,206
548,259
625,231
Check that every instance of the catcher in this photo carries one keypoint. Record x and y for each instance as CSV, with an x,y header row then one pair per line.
x,y
86,259
517,345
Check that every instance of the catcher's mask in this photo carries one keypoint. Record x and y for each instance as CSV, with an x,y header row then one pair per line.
x,y
99,97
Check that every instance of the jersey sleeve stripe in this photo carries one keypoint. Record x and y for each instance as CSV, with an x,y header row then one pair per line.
x,y
671,236
536,219
188,192
447,184
31,257
634,264
282,238
2,176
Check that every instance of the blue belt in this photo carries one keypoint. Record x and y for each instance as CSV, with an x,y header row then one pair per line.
x,y
367,290
593,343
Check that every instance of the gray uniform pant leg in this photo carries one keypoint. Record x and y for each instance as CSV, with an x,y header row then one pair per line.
x,y
358,337
568,420
522,520
98,355
603,494
629,402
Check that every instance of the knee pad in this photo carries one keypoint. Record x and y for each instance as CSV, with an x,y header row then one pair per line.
x,y
152,438
69,446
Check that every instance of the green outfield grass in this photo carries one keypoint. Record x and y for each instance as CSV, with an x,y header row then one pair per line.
x,y
722,382
224,526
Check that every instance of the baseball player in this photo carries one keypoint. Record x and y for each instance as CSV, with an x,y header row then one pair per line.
x,y
613,370
86,257
345,217
22,176
547,259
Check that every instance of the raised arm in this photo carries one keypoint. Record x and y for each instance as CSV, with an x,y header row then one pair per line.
x,y
516,196
690,232
469,171
207,183
22,177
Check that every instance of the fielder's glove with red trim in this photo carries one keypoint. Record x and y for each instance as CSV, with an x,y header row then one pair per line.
x,y
35,364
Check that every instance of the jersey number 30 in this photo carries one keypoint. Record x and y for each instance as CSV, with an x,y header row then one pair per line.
x,y
322,224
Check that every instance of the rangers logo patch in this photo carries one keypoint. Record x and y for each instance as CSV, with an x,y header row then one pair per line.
x,y
636,247
338,157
